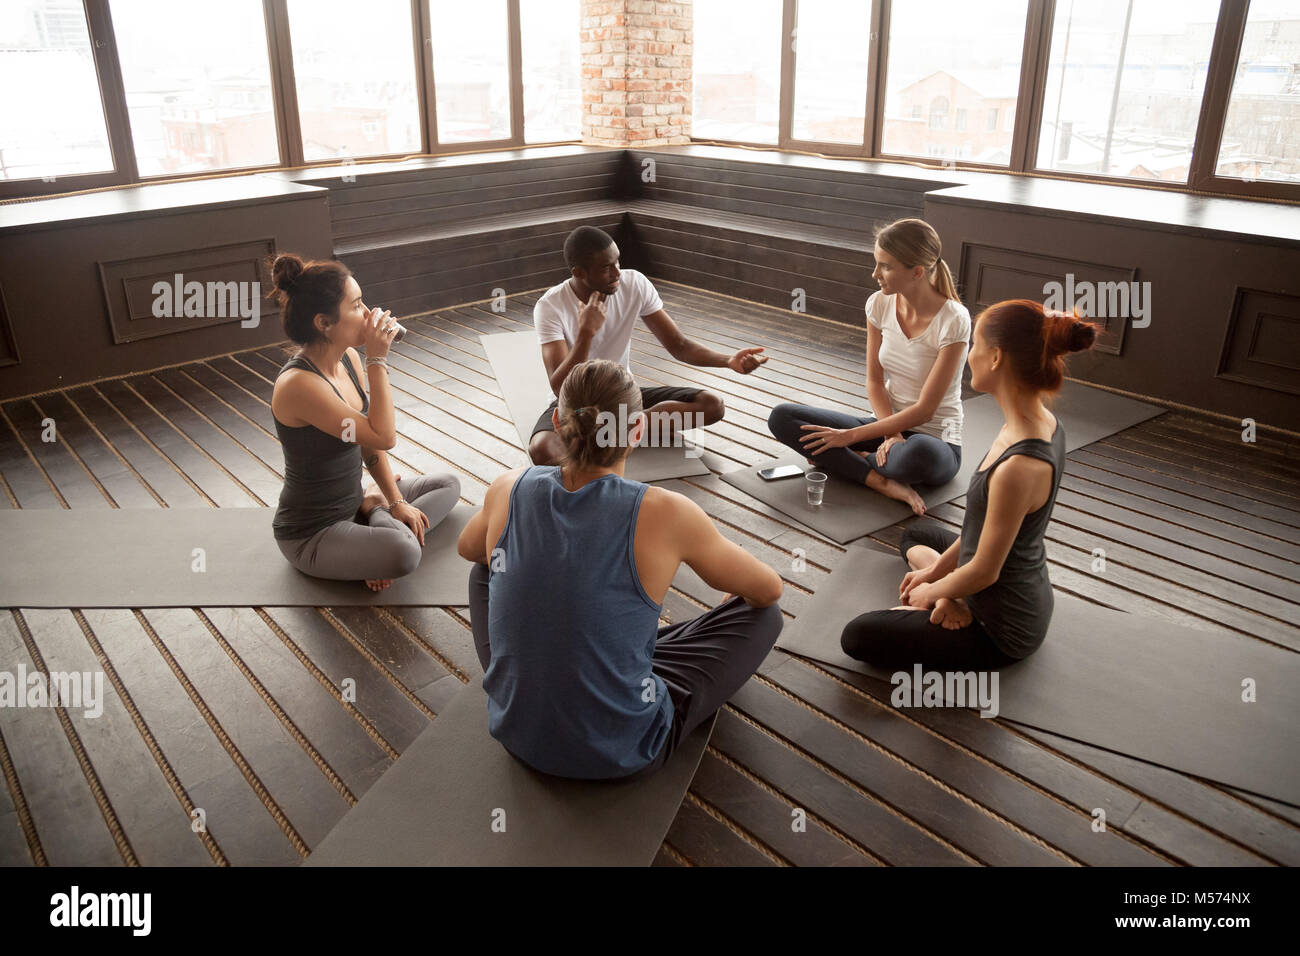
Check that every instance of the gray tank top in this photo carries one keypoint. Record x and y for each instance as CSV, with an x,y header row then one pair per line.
x,y
1016,608
322,474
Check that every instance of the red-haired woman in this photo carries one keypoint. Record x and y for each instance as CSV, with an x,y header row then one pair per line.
x,y
983,599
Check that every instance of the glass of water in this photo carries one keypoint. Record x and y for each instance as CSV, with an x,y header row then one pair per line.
x,y
815,482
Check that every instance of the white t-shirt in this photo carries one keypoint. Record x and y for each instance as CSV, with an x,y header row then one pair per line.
x,y
555,316
907,362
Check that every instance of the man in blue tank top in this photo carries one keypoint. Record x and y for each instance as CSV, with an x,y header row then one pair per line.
x,y
572,563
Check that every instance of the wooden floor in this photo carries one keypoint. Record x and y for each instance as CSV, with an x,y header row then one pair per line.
x,y
238,711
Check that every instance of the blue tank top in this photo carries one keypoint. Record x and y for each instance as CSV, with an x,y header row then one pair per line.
x,y
571,690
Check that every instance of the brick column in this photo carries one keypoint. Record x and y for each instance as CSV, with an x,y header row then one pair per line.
x,y
636,72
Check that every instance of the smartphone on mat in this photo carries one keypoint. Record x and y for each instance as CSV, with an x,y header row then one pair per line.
x,y
776,474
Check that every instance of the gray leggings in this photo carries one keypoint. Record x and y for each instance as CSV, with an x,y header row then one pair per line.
x,y
703,661
383,548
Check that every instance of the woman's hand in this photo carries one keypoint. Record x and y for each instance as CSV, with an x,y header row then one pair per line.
x,y
952,613
820,438
882,452
922,595
912,579
412,517
379,329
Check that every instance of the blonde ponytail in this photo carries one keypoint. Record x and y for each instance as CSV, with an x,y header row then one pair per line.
x,y
913,242
943,283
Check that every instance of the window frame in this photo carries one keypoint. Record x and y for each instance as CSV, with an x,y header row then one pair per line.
x,y
1026,115
284,98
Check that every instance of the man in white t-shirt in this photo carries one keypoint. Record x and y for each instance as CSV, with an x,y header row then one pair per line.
x,y
592,314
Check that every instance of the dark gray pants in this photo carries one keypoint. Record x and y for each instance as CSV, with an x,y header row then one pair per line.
x,y
380,549
702,661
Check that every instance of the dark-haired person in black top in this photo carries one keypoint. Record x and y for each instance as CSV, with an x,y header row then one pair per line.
x,y
983,599
329,426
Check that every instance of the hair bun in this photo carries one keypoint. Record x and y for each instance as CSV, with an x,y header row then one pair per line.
x,y
1066,332
1082,335
285,271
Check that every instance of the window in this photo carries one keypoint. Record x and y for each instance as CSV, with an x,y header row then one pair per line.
x,y
55,126
939,112
954,57
830,71
1261,134
992,124
471,72
351,101
193,69
737,80
552,68
916,111
1124,84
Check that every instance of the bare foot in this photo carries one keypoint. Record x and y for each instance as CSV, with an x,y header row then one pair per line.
x,y
374,498
378,584
953,613
896,490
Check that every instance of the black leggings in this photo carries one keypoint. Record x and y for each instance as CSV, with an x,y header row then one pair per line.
x,y
703,661
896,640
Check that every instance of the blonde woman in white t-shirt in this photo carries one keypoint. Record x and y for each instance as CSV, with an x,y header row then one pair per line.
x,y
917,336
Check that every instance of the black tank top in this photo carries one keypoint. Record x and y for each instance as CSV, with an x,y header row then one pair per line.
x,y
322,474
1016,608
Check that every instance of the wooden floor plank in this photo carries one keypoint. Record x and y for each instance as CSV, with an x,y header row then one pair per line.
x,y
394,717
69,824
216,485
155,822
238,821
356,757
985,837
56,457
1214,485
1214,536
404,659
247,434
124,486
771,818
830,796
706,842
450,640
250,472
1258,838
1228,508
153,467
296,785
1069,829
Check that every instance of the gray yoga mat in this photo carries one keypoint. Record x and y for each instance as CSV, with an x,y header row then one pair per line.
x,y
146,558
850,511
1140,686
437,805
516,360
